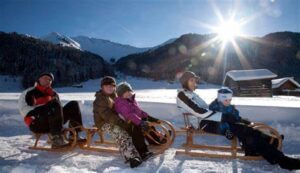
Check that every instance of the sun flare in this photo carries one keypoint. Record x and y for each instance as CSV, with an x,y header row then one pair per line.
x,y
228,30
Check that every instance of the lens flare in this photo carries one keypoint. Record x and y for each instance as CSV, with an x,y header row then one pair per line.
x,y
228,30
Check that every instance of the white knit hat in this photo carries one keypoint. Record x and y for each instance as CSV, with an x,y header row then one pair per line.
x,y
224,94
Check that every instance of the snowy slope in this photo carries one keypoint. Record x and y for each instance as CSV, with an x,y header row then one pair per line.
x,y
158,99
106,48
57,38
109,50
16,157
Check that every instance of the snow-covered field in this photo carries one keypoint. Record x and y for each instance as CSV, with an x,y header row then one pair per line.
x,y
157,98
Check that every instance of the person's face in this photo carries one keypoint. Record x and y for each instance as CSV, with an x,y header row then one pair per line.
x,y
192,84
227,102
109,89
45,81
128,94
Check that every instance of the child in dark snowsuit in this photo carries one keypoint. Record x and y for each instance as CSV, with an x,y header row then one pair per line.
x,y
253,141
229,113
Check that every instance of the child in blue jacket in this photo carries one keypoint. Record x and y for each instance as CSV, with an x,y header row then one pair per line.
x,y
229,113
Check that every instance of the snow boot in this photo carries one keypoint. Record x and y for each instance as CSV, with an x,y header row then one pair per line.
x,y
289,163
134,162
80,139
58,142
147,155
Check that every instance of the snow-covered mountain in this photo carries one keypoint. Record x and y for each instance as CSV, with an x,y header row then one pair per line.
x,y
57,38
111,51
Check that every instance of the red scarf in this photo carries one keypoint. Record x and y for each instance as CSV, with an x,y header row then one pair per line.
x,y
45,90
48,91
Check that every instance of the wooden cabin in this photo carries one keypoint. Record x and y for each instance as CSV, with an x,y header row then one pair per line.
x,y
286,86
250,83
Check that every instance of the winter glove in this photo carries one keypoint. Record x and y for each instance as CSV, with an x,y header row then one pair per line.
x,y
151,119
228,134
228,118
246,121
145,126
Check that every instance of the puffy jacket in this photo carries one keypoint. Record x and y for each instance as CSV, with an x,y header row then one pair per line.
x,y
229,115
34,97
190,102
129,110
104,112
228,112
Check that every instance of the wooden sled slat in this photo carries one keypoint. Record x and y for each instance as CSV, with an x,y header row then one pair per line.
x,y
102,139
44,148
210,147
226,152
89,145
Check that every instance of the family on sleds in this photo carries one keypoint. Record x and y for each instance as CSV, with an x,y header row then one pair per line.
x,y
117,113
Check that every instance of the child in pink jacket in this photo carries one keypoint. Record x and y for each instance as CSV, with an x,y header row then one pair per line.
x,y
129,110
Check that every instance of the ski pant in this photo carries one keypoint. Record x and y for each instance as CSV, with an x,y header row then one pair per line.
x,y
138,138
255,141
50,118
123,140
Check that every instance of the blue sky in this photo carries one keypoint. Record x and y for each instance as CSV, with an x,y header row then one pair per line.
x,y
144,23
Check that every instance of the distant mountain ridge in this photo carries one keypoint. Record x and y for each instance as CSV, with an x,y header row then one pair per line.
x,y
110,51
278,52
26,56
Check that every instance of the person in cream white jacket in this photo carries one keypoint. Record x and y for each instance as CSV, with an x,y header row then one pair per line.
x,y
251,139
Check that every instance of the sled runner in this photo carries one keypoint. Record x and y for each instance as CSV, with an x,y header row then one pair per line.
x,y
67,131
233,151
164,130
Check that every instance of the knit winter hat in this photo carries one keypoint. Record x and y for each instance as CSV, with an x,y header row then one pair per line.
x,y
46,74
123,88
224,94
108,80
186,76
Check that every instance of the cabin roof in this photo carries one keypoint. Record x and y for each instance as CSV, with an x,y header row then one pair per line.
x,y
276,83
244,75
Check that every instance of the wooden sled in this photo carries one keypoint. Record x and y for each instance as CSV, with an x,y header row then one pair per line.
x,y
108,146
66,131
165,130
233,151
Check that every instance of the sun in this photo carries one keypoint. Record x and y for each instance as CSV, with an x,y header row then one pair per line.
x,y
228,30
